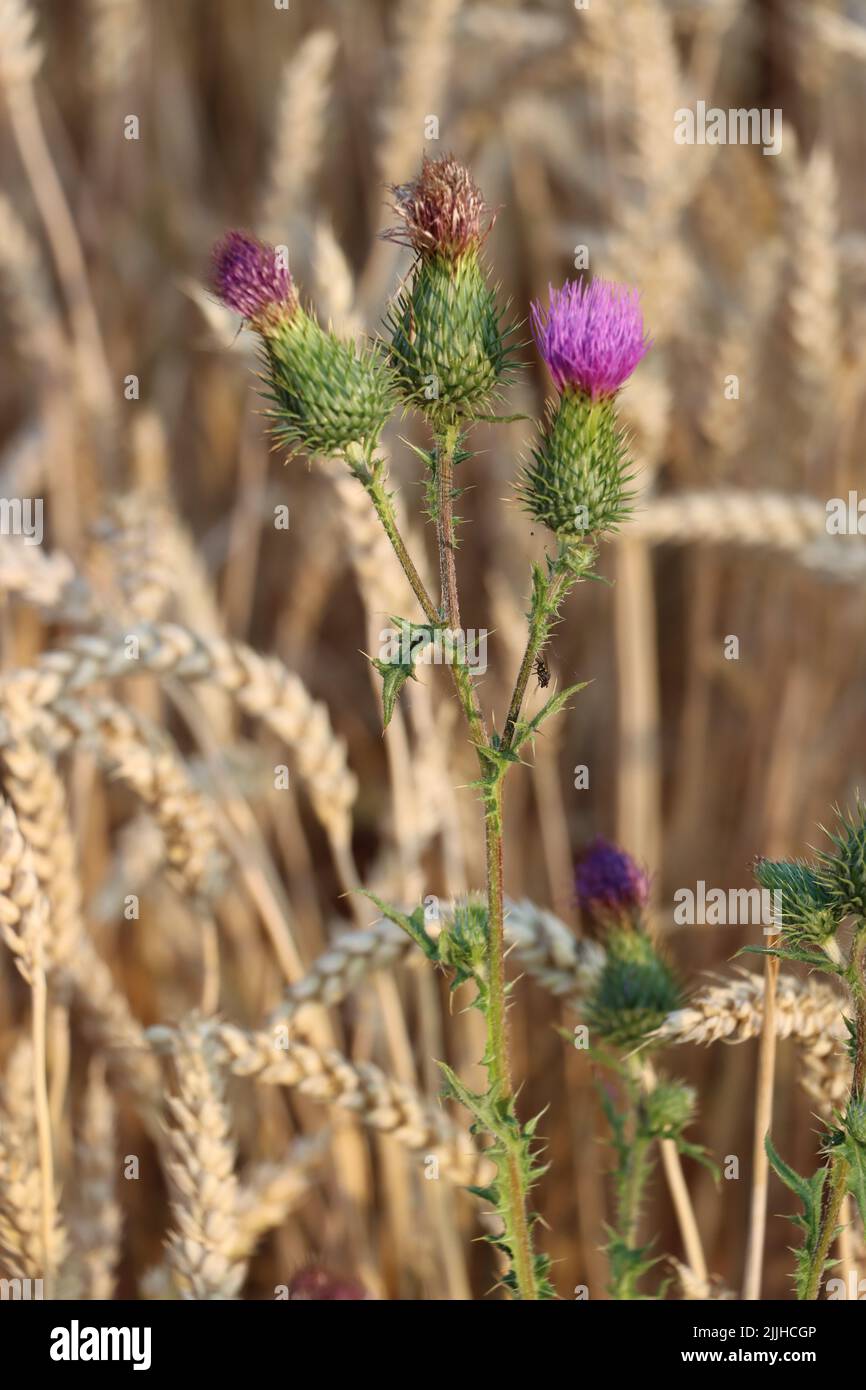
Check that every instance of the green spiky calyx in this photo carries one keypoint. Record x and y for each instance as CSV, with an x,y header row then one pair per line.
x,y
668,1109
447,340
577,483
464,942
806,909
635,991
326,396
842,872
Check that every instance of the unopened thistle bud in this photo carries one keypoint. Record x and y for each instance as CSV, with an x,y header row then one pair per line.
x,y
842,871
447,340
464,941
805,908
635,991
592,338
326,395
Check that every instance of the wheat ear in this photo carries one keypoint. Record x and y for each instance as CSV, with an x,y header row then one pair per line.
x,y
95,1222
261,686
200,1164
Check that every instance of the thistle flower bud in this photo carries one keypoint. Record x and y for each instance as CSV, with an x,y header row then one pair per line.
x,y
447,341
326,395
250,277
591,338
609,885
635,991
842,873
463,942
669,1109
855,1120
806,910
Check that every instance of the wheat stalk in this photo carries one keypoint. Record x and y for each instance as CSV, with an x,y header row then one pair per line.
x,y
732,1011
20,51
325,1075
424,31
561,962
271,1191
200,1164
38,331
299,130
261,686
23,1250
116,35
96,1222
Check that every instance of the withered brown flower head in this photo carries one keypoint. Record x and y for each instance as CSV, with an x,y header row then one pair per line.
x,y
442,210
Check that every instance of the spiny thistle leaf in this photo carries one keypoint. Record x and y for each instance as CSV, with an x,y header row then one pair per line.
x,y
414,925
809,1191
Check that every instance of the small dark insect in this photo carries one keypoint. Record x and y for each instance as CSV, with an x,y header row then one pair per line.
x,y
542,672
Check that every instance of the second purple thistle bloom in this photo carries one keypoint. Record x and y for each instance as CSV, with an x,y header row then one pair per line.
x,y
591,336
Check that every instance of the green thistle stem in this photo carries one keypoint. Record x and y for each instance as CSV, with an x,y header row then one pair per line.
x,y
540,622
371,478
837,1181
497,1056
445,447
837,1186
514,1196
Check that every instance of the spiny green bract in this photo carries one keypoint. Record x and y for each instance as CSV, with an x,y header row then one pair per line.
x,y
806,911
447,340
842,873
577,484
464,940
668,1109
635,991
326,395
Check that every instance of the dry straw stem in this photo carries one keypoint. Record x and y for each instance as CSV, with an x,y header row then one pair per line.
x,y
732,1011
299,131
325,1075
201,1160
38,333
95,1221
261,686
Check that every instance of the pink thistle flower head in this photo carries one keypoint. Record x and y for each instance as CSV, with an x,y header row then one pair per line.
x,y
250,277
591,336
608,882
441,210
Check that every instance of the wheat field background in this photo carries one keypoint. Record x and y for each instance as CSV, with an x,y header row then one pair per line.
x,y
165,886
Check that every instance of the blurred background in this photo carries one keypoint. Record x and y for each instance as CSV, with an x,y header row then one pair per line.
x,y
132,136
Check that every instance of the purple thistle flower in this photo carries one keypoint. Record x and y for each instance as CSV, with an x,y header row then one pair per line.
x,y
249,278
608,882
592,335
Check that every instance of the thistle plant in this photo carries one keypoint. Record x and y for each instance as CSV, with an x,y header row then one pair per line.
x,y
631,995
820,904
448,355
